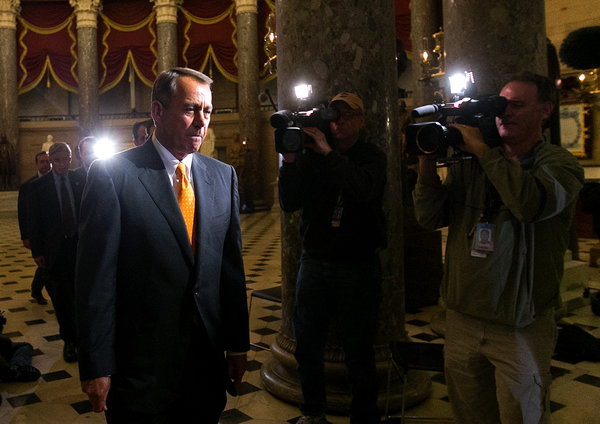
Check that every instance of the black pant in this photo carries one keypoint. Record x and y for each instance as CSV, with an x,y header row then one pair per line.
x,y
38,282
201,396
61,288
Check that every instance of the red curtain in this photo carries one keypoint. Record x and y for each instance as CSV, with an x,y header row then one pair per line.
x,y
403,23
47,40
46,43
126,34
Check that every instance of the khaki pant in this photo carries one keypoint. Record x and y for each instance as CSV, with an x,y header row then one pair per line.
x,y
497,373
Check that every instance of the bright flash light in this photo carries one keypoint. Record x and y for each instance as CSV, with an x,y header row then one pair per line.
x,y
582,77
458,83
425,56
104,148
303,91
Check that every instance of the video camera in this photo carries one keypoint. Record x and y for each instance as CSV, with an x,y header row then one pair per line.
x,y
289,137
435,137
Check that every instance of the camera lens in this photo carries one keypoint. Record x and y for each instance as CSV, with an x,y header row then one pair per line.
x,y
292,139
431,137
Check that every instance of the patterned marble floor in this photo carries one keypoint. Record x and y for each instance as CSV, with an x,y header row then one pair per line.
x,y
56,396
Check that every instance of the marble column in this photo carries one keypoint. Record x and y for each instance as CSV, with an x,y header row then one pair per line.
x,y
166,33
339,46
422,25
423,260
86,12
494,39
9,119
247,57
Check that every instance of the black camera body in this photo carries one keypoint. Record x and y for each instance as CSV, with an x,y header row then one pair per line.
x,y
435,137
289,137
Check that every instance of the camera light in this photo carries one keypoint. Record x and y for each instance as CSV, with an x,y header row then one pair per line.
x,y
458,83
303,91
582,77
104,148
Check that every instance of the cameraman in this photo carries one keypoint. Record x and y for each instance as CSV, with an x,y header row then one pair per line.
x,y
338,184
500,295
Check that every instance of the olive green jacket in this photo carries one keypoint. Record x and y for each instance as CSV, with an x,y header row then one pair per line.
x,y
531,205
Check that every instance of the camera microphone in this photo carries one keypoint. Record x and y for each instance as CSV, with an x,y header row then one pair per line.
x,y
426,110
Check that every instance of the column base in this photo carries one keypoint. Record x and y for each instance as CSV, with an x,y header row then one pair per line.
x,y
280,378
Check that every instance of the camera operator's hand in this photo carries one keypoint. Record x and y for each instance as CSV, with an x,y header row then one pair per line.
x,y
289,157
473,140
320,144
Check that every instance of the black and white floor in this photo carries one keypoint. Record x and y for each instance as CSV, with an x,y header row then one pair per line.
x,y
56,397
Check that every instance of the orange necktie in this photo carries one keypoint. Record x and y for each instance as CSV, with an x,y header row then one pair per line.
x,y
185,198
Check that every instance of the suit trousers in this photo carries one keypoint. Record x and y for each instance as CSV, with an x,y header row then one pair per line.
x,y
38,282
61,288
497,373
201,396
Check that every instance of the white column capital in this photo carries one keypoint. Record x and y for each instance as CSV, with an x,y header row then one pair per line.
x,y
166,10
9,9
86,12
246,6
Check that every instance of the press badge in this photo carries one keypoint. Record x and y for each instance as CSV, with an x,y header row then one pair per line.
x,y
483,240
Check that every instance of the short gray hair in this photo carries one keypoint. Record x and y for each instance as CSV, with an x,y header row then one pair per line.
x,y
59,147
166,83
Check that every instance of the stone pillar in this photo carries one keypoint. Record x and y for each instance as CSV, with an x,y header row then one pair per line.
x,y
335,47
423,271
422,25
86,12
247,55
9,119
494,39
166,33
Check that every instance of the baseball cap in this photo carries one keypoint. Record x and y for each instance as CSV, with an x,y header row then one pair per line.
x,y
350,99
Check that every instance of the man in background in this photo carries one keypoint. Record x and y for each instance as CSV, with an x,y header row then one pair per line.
x,y
86,153
338,182
508,209
42,163
54,210
140,133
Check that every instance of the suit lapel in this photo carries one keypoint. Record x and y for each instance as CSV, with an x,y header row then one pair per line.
x,y
204,193
156,181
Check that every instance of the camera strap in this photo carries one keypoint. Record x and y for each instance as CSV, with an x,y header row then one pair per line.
x,y
336,218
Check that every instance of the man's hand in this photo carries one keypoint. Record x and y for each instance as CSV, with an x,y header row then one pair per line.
x,y
473,140
236,367
27,243
320,144
40,261
97,390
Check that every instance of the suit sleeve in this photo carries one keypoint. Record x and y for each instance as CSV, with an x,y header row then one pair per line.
x,y
35,223
233,286
22,210
95,280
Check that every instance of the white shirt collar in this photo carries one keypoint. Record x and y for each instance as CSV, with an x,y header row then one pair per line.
x,y
171,161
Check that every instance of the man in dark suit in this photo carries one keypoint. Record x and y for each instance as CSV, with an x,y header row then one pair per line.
x,y
160,299
54,207
86,153
42,163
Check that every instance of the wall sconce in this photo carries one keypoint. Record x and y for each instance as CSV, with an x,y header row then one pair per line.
x,y
270,46
432,63
438,51
425,60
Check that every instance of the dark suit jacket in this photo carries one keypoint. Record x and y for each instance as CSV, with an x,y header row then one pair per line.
x,y
22,210
45,223
138,281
